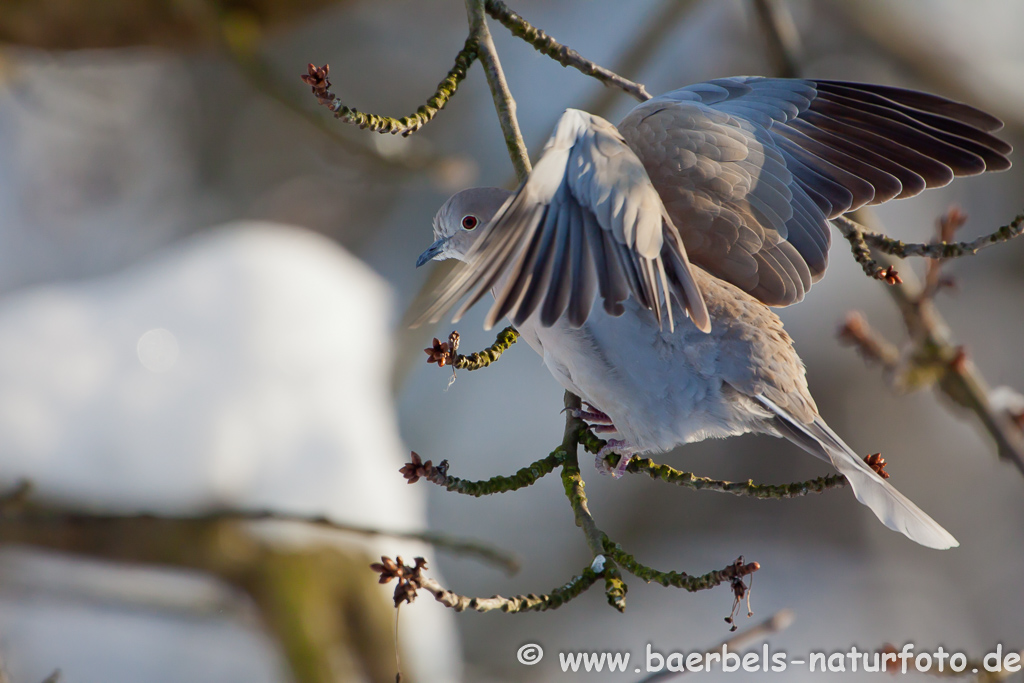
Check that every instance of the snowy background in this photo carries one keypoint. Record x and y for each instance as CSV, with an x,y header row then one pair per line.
x,y
200,295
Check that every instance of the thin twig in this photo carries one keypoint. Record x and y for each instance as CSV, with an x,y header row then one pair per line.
x,y
951,369
515,604
637,465
503,102
481,359
438,474
737,488
318,80
643,46
779,621
855,235
936,250
873,347
672,579
562,54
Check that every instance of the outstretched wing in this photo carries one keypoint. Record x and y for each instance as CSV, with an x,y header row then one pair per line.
x,y
751,169
586,222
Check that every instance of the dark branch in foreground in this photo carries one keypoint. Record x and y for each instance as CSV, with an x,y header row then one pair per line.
x,y
15,508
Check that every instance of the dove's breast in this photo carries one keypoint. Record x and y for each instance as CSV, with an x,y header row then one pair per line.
x,y
661,388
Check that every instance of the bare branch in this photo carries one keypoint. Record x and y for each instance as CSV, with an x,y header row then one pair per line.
x,y
518,603
936,250
643,47
503,102
565,56
855,331
855,235
938,360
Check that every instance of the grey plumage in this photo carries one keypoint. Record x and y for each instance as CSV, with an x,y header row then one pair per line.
x,y
739,176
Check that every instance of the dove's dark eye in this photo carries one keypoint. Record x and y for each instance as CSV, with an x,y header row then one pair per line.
x,y
469,222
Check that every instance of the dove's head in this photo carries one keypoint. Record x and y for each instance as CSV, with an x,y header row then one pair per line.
x,y
459,222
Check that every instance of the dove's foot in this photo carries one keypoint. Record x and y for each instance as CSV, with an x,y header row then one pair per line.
x,y
625,452
592,416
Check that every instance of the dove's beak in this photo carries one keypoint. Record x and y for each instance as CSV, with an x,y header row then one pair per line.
x,y
432,251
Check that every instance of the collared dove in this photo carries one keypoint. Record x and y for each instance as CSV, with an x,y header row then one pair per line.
x,y
712,200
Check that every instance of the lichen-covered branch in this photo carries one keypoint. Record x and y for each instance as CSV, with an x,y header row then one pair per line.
x,y
438,474
562,54
572,481
734,572
410,579
862,253
737,488
936,250
481,359
670,475
503,102
317,79
517,603
779,621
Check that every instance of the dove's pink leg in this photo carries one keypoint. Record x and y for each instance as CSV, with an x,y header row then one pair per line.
x,y
625,452
592,416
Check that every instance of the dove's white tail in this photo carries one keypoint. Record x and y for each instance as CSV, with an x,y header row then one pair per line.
x,y
895,510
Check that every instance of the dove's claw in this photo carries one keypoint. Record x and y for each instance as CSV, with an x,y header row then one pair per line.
x,y
625,452
591,415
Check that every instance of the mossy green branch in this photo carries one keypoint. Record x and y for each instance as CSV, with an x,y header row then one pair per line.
x,y
515,604
734,572
737,488
317,79
524,477
481,359
572,481
670,475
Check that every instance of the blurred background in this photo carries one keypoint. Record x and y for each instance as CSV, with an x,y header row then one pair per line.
x,y
201,281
